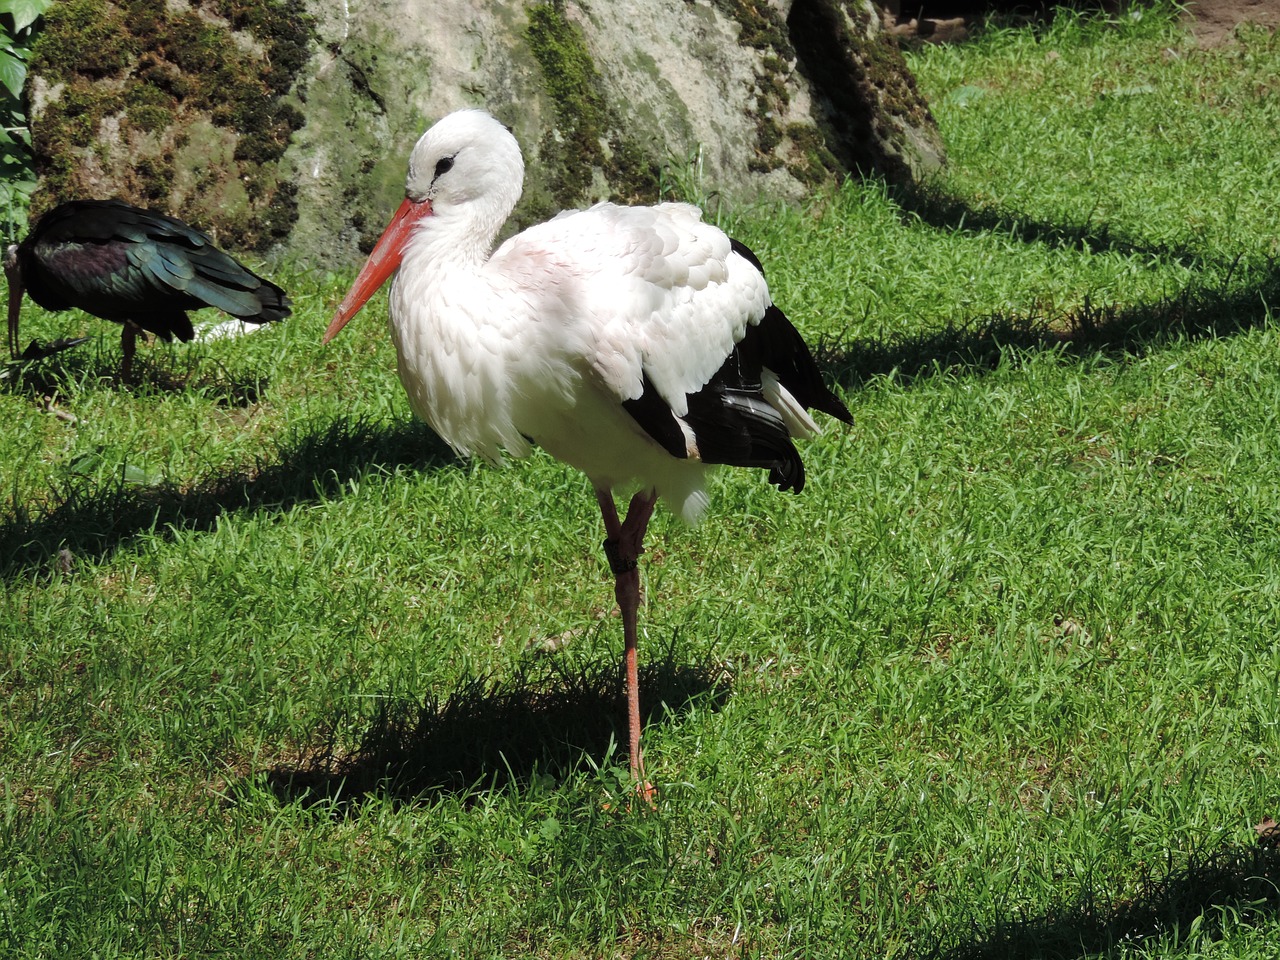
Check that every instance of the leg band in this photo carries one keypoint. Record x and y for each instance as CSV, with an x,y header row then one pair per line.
x,y
617,563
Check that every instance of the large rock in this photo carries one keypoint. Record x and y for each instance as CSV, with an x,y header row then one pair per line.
x,y
625,100
179,106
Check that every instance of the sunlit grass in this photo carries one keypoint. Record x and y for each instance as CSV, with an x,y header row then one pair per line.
x,y
283,677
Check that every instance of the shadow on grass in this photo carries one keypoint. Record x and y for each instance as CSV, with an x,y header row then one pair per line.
x,y
81,519
88,519
1203,898
937,208
491,734
1244,297
157,371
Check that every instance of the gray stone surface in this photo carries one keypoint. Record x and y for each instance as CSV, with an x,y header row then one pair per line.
x,y
693,98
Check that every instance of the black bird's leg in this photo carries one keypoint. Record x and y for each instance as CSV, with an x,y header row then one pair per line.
x,y
128,345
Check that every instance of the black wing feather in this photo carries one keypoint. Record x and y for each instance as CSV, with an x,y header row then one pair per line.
x,y
738,427
656,419
779,347
731,421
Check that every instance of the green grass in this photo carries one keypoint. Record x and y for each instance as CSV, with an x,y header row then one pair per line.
x,y
281,677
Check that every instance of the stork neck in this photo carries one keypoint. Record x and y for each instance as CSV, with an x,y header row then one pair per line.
x,y
448,237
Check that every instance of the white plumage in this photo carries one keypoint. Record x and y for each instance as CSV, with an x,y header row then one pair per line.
x,y
637,344
544,338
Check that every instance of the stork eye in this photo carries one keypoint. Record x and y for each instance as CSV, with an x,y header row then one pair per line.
x,y
443,165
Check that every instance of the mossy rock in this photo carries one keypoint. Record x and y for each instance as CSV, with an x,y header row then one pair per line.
x,y
182,108
198,106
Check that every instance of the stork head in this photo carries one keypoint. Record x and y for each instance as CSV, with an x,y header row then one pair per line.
x,y
467,164
466,174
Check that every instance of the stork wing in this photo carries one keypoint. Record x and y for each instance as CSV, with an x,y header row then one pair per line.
x,y
664,296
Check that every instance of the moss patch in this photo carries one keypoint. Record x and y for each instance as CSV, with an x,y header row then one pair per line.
x,y
589,135
812,163
762,28
861,73
137,76
865,79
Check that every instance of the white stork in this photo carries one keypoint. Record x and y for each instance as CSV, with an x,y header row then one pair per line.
x,y
637,344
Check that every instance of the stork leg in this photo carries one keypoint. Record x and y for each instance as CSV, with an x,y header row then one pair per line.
x,y
623,546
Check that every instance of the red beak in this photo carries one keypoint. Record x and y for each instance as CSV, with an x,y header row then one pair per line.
x,y
385,259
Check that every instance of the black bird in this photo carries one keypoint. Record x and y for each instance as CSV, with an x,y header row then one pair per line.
x,y
135,267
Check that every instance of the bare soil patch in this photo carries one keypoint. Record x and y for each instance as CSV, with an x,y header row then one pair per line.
x,y
1213,22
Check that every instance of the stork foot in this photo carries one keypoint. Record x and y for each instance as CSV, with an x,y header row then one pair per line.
x,y
646,794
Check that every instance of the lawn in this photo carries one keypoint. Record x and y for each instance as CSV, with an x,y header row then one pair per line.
x,y
281,677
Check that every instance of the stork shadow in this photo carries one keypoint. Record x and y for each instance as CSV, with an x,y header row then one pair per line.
x,y
1235,884
313,464
493,734
1245,299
